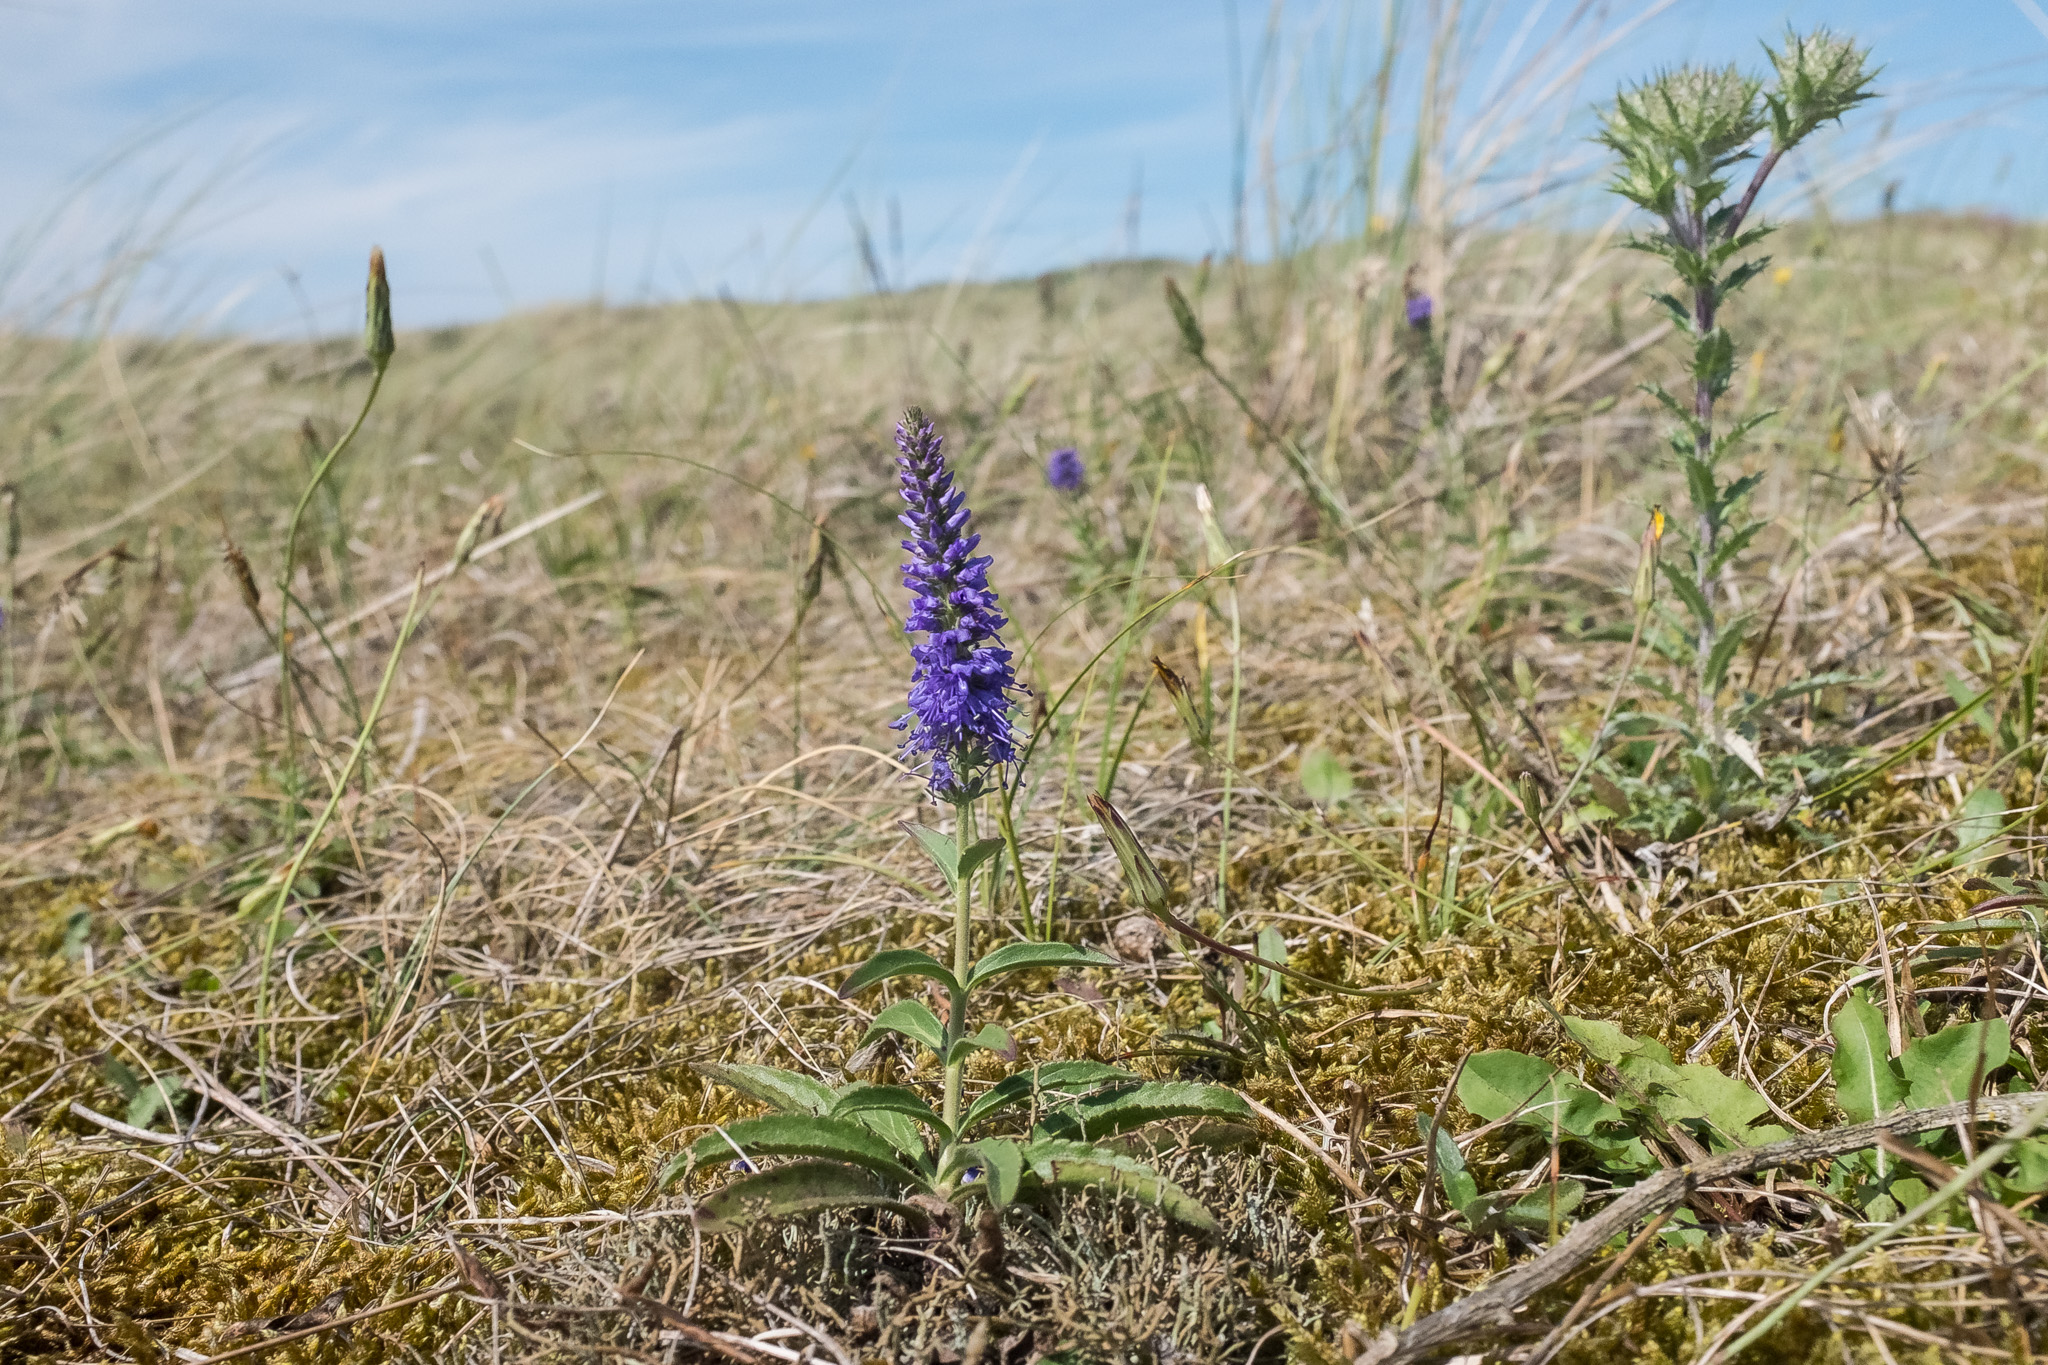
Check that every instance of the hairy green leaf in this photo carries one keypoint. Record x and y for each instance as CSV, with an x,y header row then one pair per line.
x,y
1001,1161
859,1101
894,962
914,1020
1053,1083
803,1135
1118,1111
800,1187
987,1038
1018,957
1078,1166
791,1092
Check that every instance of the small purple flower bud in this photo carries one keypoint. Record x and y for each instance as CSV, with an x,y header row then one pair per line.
x,y
1065,471
970,1175
1420,309
744,1166
963,681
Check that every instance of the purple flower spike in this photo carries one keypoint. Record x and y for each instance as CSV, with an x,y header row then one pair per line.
x,y
960,689
1065,471
1420,309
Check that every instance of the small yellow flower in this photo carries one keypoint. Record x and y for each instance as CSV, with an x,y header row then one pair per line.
x,y
809,452
1782,276
1657,522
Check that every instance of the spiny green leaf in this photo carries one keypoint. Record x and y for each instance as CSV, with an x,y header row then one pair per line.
x,y
1688,593
1017,957
792,1092
894,962
800,1187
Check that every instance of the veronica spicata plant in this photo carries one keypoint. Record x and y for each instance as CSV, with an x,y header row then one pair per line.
x,y
885,1146
1683,137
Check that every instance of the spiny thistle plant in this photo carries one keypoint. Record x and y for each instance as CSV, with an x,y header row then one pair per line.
x,y
1681,137
884,1146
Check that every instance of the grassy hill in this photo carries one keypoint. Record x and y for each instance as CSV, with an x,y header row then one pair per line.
x,y
628,802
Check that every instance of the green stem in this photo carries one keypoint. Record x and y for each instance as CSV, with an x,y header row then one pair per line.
x,y
1229,754
284,582
275,921
963,950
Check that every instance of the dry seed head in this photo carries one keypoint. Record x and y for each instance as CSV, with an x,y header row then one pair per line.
x,y
491,513
378,342
1183,698
1184,317
1148,888
10,503
1645,587
238,565
1212,534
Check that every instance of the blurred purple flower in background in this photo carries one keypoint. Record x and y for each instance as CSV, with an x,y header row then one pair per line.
x,y
960,689
1065,471
1420,309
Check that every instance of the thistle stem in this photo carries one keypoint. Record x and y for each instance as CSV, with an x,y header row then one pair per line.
x,y
963,950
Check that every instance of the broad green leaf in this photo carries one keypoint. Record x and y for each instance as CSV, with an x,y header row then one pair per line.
x,y
1002,1167
942,850
1017,957
1608,1043
1460,1189
979,852
1324,777
798,1188
1977,827
1077,1166
804,1135
1867,1082
1119,1111
2030,1160
1940,1068
987,1038
1532,1209
791,1092
1676,1092
861,1101
160,1096
1053,1083
894,962
914,1020
1498,1083
1611,795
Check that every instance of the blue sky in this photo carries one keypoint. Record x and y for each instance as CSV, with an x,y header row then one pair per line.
x,y
511,152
